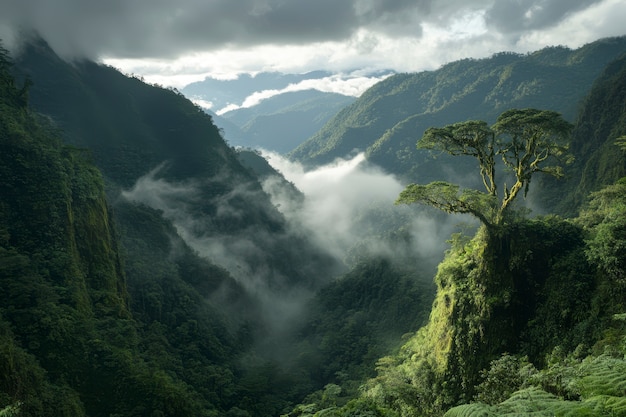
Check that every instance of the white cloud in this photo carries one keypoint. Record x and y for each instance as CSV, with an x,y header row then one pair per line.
x,y
352,84
343,198
600,20
205,104
334,194
466,33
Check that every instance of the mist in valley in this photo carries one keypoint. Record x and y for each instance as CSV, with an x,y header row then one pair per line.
x,y
346,218
350,203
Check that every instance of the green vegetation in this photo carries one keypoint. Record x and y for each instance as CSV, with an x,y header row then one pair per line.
x,y
595,142
385,121
527,140
359,318
105,310
528,320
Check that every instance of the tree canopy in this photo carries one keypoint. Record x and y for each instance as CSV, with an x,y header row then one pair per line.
x,y
528,141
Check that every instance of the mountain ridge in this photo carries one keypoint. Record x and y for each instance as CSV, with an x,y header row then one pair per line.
x,y
386,121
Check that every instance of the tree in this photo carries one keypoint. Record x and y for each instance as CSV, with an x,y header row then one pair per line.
x,y
529,141
473,138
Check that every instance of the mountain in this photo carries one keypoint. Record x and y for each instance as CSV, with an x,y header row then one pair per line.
x,y
282,122
275,111
153,144
209,274
527,319
602,121
70,339
388,119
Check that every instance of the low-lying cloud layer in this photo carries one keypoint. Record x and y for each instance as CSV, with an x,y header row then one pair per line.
x,y
347,215
247,250
347,204
350,203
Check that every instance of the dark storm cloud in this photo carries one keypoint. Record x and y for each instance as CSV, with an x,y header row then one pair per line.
x,y
160,28
515,16
166,28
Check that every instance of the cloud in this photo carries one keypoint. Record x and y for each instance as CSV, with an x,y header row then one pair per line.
x,y
237,231
177,43
603,19
349,205
353,84
161,28
334,194
515,16
165,29
347,212
205,104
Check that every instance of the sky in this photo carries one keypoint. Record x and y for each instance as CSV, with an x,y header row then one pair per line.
x,y
174,43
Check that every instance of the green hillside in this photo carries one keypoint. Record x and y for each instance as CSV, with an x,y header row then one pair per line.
x,y
204,334
386,121
599,125
135,131
69,343
528,317
282,122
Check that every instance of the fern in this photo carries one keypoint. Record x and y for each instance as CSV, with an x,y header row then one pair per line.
x,y
472,410
528,402
603,375
602,385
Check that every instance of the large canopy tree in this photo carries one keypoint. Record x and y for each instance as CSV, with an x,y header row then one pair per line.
x,y
528,141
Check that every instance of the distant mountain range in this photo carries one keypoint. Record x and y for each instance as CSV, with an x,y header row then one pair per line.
x,y
276,111
282,122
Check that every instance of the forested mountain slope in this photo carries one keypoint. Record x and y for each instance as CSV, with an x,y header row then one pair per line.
x,y
600,124
283,122
529,316
183,291
69,343
187,336
386,121
162,151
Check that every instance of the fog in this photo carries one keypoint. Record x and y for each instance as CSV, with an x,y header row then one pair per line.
x,y
350,203
255,254
347,214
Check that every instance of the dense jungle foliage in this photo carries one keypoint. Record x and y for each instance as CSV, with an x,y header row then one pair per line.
x,y
109,307
527,319
127,318
73,342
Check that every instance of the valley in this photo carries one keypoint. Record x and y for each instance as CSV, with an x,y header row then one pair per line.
x,y
301,256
